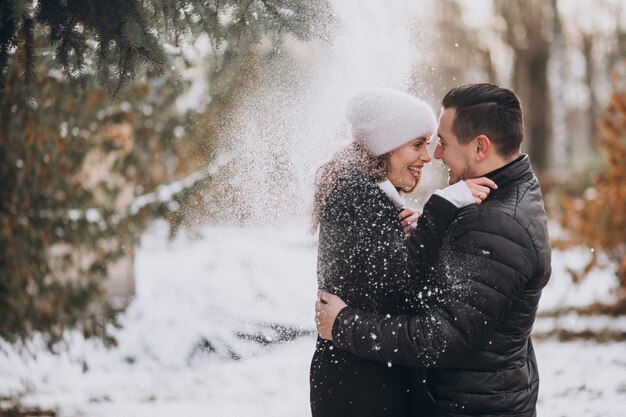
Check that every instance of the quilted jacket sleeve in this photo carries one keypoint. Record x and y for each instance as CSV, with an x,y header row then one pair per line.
x,y
486,261
424,242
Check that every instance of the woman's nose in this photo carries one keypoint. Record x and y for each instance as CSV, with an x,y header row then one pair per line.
x,y
426,156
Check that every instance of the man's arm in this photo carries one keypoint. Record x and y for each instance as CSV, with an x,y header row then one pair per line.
x,y
480,280
424,241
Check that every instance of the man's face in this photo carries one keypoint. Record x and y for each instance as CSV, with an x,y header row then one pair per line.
x,y
455,156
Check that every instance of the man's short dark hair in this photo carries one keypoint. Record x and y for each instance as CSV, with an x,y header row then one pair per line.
x,y
488,110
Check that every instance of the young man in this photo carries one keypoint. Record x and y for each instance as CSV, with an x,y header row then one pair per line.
x,y
471,341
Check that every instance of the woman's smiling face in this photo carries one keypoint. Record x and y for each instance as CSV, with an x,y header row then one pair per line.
x,y
406,163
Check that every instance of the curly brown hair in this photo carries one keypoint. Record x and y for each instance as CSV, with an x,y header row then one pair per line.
x,y
352,158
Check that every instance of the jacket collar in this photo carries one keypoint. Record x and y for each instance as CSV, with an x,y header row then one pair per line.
x,y
514,171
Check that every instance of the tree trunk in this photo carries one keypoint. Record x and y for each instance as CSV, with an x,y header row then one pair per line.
x,y
530,79
594,105
529,27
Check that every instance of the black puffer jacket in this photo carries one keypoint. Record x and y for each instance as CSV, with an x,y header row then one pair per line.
x,y
363,258
474,339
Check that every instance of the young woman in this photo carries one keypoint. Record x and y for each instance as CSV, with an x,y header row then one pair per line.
x,y
362,254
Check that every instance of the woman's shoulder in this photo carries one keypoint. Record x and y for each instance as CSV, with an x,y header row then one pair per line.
x,y
355,182
360,191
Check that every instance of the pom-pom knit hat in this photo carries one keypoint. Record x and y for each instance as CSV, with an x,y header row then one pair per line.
x,y
383,119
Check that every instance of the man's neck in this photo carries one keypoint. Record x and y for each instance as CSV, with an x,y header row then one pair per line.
x,y
495,163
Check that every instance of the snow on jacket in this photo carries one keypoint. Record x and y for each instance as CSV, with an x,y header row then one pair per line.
x,y
474,337
363,255
362,258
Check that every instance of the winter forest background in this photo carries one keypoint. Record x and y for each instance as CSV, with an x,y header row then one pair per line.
x,y
156,165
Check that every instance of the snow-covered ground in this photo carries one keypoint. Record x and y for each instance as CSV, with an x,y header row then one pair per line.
x,y
223,326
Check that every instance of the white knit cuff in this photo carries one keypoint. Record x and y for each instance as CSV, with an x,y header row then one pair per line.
x,y
458,194
392,193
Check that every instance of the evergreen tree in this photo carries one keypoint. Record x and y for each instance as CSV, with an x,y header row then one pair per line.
x,y
115,38
82,176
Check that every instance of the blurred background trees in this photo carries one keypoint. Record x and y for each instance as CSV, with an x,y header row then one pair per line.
x,y
597,218
566,61
558,57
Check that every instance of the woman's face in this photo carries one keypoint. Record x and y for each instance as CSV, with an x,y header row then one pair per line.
x,y
406,163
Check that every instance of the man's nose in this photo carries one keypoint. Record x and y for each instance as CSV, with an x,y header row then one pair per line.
x,y
438,153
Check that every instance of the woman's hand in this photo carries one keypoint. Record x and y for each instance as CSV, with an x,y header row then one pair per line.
x,y
480,188
327,307
408,219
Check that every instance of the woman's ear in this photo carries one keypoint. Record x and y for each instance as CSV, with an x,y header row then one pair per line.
x,y
483,148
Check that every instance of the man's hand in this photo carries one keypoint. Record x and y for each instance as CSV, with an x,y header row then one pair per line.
x,y
480,188
327,307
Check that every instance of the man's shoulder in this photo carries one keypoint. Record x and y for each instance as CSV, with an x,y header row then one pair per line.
x,y
517,214
487,218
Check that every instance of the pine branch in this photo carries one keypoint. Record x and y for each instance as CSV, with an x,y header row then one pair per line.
x,y
70,54
102,63
8,28
29,61
134,29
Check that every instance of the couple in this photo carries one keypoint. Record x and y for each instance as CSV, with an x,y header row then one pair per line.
x,y
429,315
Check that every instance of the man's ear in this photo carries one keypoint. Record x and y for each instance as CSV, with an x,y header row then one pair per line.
x,y
482,148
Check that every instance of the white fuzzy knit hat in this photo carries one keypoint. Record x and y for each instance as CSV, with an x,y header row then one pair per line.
x,y
383,119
